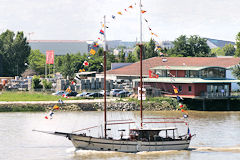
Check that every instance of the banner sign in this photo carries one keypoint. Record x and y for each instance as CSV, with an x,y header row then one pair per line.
x,y
50,57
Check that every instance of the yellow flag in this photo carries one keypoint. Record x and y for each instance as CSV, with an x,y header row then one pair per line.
x,y
119,13
175,90
55,107
83,70
92,51
80,70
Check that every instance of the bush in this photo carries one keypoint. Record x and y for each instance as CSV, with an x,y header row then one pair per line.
x,y
36,83
47,84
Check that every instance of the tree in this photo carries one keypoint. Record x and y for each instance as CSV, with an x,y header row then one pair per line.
x,y
236,71
180,48
228,50
100,52
36,61
131,58
15,51
237,53
122,56
110,59
150,49
194,46
217,51
58,63
67,68
96,64
136,52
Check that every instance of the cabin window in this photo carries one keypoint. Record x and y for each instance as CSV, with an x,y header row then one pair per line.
x,y
190,88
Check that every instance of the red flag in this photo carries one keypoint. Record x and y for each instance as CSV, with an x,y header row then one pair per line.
x,y
150,74
125,10
143,11
85,63
130,6
101,31
46,117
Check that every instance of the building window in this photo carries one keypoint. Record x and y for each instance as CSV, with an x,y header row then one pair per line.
x,y
180,88
190,88
213,72
161,73
193,74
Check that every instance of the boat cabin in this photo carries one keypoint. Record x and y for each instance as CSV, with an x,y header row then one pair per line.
x,y
158,134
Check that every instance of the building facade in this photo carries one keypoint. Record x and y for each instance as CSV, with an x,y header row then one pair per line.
x,y
190,81
191,73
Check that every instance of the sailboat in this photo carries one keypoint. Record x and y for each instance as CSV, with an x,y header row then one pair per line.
x,y
141,139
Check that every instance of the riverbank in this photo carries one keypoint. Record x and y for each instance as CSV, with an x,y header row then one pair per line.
x,y
116,104
85,105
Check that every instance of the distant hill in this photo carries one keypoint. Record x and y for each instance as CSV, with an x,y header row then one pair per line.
x,y
214,43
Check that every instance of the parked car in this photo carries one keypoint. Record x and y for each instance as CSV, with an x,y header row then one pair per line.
x,y
58,93
123,94
83,94
102,92
94,94
73,93
114,92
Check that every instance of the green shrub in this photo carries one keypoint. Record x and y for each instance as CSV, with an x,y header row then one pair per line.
x,y
36,82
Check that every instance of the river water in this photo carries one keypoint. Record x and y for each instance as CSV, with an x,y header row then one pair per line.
x,y
217,136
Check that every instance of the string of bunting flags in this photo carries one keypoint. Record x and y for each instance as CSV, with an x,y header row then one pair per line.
x,y
94,49
175,89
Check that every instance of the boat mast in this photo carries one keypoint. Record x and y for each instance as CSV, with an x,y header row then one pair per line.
x,y
104,70
141,46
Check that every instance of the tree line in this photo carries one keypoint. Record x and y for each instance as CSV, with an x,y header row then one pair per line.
x,y
16,55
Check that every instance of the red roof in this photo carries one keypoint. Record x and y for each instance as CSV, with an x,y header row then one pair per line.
x,y
134,69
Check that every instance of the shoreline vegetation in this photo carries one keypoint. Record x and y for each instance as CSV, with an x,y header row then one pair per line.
x,y
42,102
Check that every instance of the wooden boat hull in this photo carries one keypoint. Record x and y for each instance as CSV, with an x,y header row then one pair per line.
x,y
101,144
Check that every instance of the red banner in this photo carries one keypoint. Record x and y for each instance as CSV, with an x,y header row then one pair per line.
x,y
50,57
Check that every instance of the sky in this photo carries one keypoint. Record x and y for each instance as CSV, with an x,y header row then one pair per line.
x,y
81,19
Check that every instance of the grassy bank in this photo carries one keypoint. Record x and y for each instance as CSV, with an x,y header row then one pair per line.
x,y
31,96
